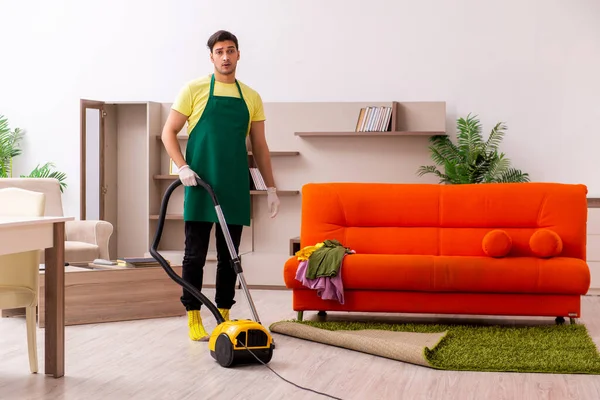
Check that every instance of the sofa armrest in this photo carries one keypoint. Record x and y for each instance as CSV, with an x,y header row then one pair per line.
x,y
289,273
90,231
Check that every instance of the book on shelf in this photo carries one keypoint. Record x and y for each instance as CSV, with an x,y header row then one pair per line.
x,y
138,262
173,170
374,119
257,182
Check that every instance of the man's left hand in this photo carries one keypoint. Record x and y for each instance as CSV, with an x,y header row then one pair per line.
x,y
272,202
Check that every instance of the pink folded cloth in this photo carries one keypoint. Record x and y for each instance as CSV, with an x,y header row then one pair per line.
x,y
328,288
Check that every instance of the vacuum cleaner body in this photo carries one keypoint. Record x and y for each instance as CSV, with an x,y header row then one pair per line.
x,y
240,342
232,342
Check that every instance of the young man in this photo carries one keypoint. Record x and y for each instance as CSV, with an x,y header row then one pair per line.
x,y
221,112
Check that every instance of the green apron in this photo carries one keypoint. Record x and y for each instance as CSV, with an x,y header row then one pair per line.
x,y
216,151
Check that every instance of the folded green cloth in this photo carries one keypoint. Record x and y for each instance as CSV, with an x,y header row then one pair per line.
x,y
326,260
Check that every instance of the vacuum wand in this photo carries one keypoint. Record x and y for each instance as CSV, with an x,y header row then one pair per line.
x,y
235,260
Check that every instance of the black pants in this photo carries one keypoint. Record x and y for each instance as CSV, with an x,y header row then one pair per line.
x,y
197,236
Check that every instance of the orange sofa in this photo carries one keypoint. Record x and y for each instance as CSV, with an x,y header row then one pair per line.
x,y
483,249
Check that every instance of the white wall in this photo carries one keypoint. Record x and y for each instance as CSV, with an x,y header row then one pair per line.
x,y
533,64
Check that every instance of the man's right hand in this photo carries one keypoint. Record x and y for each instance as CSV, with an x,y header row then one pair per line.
x,y
187,176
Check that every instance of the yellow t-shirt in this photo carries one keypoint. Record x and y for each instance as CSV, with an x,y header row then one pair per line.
x,y
192,99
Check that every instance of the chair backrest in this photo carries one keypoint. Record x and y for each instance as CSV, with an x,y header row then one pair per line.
x,y
21,269
48,186
20,202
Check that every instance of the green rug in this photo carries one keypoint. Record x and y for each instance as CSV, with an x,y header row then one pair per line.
x,y
547,349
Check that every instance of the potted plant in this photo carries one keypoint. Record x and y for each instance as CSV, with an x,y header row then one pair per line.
x,y
472,159
9,149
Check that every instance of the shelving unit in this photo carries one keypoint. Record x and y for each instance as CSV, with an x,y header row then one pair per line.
x,y
133,195
294,245
123,166
173,243
296,158
336,150
407,119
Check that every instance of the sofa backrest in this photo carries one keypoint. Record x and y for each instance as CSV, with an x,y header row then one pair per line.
x,y
433,219
49,186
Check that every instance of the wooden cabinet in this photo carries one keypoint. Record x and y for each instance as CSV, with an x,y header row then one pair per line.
x,y
309,142
127,158
593,247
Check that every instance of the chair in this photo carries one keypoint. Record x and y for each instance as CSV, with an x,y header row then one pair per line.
x,y
84,240
19,273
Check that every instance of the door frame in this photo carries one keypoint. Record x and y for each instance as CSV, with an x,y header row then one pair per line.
x,y
84,104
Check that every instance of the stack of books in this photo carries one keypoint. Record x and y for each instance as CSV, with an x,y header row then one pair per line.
x,y
374,119
138,262
257,179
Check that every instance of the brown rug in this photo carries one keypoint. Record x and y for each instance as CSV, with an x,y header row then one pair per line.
x,y
402,346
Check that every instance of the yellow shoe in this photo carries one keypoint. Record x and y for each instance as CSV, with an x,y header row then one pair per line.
x,y
225,313
197,331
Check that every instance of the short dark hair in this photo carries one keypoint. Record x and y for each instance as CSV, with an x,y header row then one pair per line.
x,y
221,36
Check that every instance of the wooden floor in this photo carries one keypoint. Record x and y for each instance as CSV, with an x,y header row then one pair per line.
x,y
153,359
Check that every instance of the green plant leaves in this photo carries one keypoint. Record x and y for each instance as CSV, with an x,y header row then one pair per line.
x,y
9,146
45,171
472,159
9,149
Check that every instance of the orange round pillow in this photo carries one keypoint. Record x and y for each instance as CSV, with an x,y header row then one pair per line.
x,y
496,243
545,243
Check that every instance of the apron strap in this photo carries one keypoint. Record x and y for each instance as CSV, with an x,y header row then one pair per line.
x,y
212,85
239,89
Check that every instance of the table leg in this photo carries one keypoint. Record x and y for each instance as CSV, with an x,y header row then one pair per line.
x,y
55,303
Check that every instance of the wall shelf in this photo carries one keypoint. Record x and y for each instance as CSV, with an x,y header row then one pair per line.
x,y
167,177
252,192
168,216
273,153
277,153
279,192
424,119
388,133
280,153
180,136
593,202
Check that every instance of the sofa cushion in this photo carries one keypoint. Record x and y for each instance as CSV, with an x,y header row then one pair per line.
x,y
496,243
80,251
545,243
447,220
558,275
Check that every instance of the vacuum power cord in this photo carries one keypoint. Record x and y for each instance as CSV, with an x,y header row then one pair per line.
x,y
286,380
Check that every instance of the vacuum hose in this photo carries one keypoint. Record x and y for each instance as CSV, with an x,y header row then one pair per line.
x,y
154,248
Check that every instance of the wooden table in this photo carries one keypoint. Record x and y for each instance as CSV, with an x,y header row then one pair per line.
x,y
18,234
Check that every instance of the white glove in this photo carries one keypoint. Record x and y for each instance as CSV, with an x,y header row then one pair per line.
x,y
272,201
187,176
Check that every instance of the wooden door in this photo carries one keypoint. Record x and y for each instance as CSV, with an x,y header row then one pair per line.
x,y
98,165
91,177
110,174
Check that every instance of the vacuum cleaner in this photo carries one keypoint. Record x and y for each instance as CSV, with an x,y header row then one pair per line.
x,y
232,342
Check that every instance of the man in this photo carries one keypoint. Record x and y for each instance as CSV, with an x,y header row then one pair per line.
x,y
221,112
